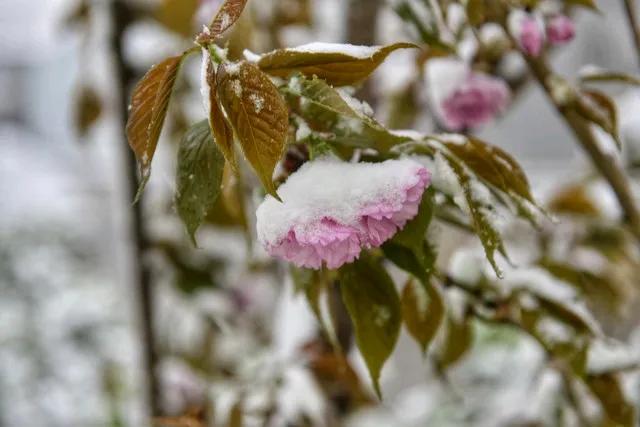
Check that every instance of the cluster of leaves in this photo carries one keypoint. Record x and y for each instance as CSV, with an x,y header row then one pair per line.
x,y
290,97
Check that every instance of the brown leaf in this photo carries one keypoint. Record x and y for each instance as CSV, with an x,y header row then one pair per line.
x,y
459,339
618,410
222,132
147,112
336,68
600,109
258,115
228,14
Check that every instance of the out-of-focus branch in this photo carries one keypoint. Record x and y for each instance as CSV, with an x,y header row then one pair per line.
x,y
361,30
634,25
122,16
608,166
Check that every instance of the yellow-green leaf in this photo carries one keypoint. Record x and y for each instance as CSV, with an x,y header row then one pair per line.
x,y
475,12
492,164
87,110
198,176
258,115
337,64
605,76
148,109
458,341
618,411
600,109
222,132
422,312
326,110
374,306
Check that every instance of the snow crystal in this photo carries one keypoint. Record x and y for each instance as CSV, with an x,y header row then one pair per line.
x,y
359,52
236,87
332,188
257,101
225,21
251,56
232,69
355,104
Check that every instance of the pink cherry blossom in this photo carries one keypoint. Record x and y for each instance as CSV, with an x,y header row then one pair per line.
x,y
477,101
528,30
333,210
560,30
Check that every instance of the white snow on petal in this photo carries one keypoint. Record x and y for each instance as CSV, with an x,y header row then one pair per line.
x,y
331,188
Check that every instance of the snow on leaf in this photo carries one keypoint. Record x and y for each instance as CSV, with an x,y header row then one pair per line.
x,y
222,133
326,110
338,64
261,132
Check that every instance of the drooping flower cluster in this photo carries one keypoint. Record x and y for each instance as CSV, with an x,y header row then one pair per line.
x,y
332,210
462,98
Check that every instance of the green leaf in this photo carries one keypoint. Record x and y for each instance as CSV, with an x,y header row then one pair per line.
x,y
148,110
222,132
327,110
198,176
228,14
333,63
374,306
484,229
258,115
408,249
422,311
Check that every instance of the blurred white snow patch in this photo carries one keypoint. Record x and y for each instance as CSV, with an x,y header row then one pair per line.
x,y
301,396
396,72
359,52
443,76
601,194
467,266
512,66
147,42
294,325
181,386
609,355
456,17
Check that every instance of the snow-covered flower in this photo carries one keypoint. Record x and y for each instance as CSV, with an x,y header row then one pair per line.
x,y
560,30
528,30
462,98
331,210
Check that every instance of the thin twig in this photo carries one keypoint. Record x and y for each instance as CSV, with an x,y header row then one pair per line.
x,y
123,15
608,166
634,25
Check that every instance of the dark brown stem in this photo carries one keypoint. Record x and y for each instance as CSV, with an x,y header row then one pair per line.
x,y
634,25
141,273
361,30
